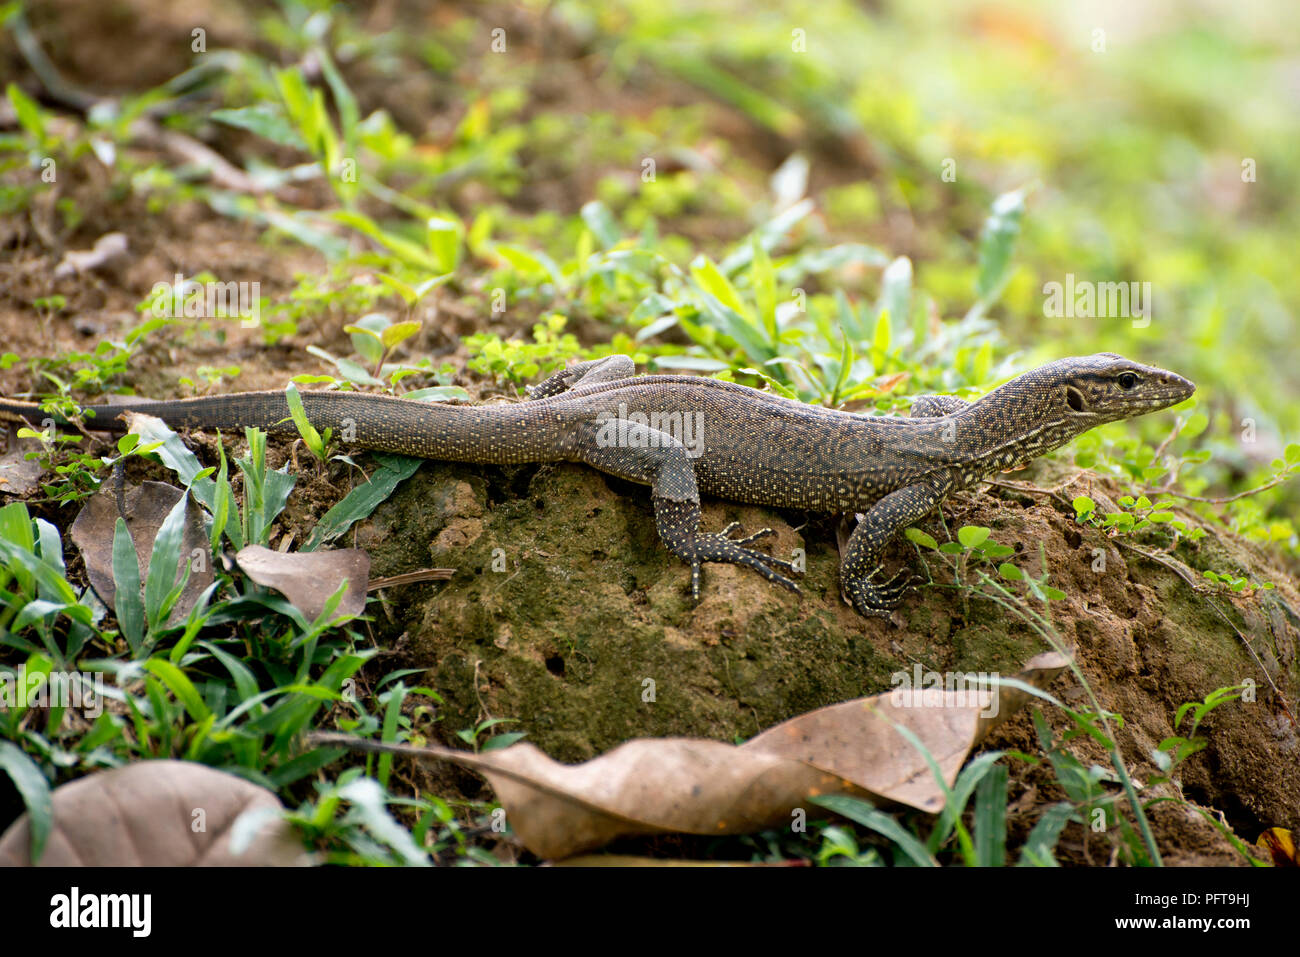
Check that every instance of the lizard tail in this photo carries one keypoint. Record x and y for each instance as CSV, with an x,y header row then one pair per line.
x,y
488,434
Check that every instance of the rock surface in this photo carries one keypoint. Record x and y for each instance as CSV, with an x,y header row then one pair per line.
x,y
568,615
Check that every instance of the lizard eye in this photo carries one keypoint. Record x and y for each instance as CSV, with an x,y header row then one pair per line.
x,y
1127,380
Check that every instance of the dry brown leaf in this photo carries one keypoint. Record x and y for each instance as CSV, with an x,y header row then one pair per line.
x,y
695,786
845,523
1280,844
308,579
18,475
156,814
147,506
887,383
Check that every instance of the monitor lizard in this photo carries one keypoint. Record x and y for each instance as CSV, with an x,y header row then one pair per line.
x,y
685,436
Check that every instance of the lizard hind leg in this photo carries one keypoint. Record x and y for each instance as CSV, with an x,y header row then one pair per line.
x,y
591,372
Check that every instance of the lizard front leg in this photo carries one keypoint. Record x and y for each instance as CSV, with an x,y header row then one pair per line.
x,y
861,561
639,453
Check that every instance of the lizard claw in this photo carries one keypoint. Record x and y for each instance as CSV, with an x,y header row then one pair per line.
x,y
720,547
878,599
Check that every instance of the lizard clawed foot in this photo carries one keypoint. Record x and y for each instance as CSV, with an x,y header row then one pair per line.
x,y
720,547
878,599
749,540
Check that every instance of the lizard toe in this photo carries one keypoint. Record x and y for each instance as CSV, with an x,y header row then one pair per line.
x,y
719,548
750,539
877,600
770,560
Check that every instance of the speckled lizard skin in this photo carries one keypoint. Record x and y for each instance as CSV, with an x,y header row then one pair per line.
x,y
685,436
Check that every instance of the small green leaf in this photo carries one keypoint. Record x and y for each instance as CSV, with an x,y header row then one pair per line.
x,y
126,587
763,278
601,222
29,114
311,438
858,810
1010,572
1083,505
997,240
895,297
1195,425
712,281
972,535
35,791
164,560
439,393
179,685
920,538
266,120
444,242
398,332
880,339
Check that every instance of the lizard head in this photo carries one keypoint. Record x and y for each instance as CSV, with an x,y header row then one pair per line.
x,y
1092,390
1053,404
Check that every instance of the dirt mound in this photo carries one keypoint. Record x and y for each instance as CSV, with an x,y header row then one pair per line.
x,y
568,615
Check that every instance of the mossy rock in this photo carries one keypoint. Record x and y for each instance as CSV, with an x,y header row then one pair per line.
x,y
567,614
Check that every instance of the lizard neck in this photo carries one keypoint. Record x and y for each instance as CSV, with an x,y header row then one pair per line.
x,y
1010,426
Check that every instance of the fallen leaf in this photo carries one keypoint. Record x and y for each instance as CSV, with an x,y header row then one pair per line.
x,y
888,383
18,475
1280,844
146,507
694,786
308,579
157,814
